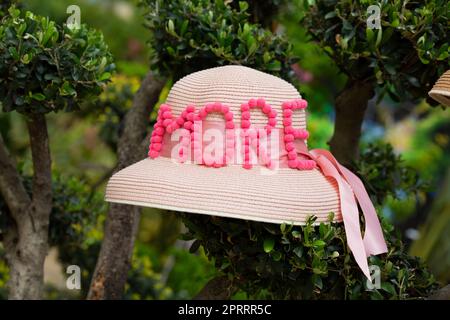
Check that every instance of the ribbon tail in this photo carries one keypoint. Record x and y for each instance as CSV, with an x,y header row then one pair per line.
x,y
374,241
373,236
350,214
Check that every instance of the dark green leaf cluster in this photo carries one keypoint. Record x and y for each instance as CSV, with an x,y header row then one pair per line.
x,y
262,12
111,107
74,213
314,262
385,174
188,36
303,262
45,67
405,57
73,222
75,230
4,6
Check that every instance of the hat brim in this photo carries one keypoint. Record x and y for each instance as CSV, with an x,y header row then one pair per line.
x,y
282,196
442,96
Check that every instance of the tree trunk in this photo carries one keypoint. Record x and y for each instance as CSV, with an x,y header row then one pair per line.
x,y
441,294
350,106
122,221
26,238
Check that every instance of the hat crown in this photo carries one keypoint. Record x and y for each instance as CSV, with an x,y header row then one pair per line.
x,y
234,85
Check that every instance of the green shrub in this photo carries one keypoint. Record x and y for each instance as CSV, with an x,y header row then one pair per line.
x,y
110,109
76,231
307,262
74,224
45,67
385,174
188,36
404,58
120,22
313,262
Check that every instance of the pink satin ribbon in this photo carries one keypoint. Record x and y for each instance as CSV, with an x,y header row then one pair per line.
x,y
351,193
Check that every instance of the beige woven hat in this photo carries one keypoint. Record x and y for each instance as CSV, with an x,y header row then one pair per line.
x,y
231,142
229,191
441,89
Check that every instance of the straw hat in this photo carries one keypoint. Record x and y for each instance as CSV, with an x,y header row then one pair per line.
x,y
230,191
285,186
441,89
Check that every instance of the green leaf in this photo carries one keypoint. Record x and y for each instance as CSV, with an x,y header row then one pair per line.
x,y
330,216
296,234
184,27
390,69
38,96
243,5
274,66
67,90
319,243
105,76
252,45
26,58
317,280
379,37
15,13
369,35
13,52
269,244
276,255
375,295
322,230
389,288
171,27
171,51
50,33
330,15
388,267
21,29
266,57
298,251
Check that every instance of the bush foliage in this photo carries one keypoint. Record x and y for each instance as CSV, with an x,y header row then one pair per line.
x,y
314,262
188,36
75,230
385,174
404,57
45,67
304,262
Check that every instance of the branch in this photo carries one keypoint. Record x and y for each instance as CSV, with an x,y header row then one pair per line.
x,y
350,106
145,143
26,240
42,175
11,186
137,120
122,220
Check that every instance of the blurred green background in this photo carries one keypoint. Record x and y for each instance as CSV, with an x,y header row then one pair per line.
x,y
82,147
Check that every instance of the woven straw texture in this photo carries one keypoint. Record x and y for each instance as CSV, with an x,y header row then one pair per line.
x,y
234,85
285,195
441,89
